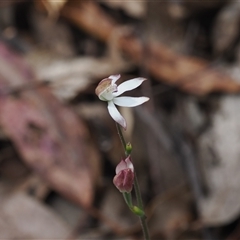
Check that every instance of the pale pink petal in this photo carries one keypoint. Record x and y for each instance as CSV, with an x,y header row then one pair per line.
x,y
121,166
130,101
124,180
128,180
129,85
115,114
114,78
129,163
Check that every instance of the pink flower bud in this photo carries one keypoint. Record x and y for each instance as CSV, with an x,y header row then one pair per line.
x,y
124,176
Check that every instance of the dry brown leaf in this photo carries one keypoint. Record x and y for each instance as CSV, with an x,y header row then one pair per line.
x,y
226,27
219,156
22,217
53,7
171,214
68,77
190,74
133,8
47,134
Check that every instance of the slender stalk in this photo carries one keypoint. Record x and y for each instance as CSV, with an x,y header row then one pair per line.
x,y
136,188
144,228
128,199
137,192
121,138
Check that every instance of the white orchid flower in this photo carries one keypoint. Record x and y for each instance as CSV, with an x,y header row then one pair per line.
x,y
108,91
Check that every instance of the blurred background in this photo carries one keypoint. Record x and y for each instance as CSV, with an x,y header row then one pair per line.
x,y
59,147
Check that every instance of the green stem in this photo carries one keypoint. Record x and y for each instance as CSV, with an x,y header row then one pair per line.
x,y
137,192
128,199
144,228
136,188
121,138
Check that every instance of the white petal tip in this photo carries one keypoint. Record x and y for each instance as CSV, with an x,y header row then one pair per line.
x,y
142,79
123,124
143,100
139,79
114,78
147,99
115,114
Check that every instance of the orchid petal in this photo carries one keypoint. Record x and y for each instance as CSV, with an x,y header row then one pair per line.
x,y
125,164
121,166
124,180
114,78
115,114
129,85
130,101
129,163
